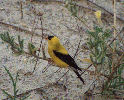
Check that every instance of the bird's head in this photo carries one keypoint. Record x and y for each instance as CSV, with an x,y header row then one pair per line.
x,y
53,41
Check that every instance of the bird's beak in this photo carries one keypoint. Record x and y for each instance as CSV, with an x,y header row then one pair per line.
x,y
46,38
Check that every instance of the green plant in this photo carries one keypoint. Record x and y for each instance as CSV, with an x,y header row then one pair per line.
x,y
105,61
32,49
7,38
21,45
15,90
116,82
17,48
98,44
72,7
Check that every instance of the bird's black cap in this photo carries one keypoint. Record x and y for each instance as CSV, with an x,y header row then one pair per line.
x,y
50,37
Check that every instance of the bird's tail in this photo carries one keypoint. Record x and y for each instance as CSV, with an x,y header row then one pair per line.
x,y
79,76
78,68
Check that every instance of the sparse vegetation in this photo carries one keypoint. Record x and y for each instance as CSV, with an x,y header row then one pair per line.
x,y
104,46
17,48
103,54
102,59
15,90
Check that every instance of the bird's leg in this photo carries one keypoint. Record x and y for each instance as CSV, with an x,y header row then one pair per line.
x,y
45,69
50,61
63,76
66,77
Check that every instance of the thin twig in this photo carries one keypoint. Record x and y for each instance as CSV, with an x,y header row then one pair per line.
x,y
22,29
86,69
21,4
40,46
77,49
115,68
33,29
46,68
78,43
41,43
19,29
118,33
84,22
113,71
47,59
114,7
93,73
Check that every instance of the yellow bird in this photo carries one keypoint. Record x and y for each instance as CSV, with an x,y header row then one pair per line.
x,y
61,57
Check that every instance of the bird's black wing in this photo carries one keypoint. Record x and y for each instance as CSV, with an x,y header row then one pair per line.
x,y
70,61
67,59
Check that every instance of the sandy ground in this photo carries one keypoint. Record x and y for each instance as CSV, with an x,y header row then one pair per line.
x,y
58,21
54,19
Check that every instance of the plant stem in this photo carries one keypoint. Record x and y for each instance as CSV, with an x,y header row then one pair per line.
x,y
114,8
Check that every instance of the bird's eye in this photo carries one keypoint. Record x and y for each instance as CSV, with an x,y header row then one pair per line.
x,y
50,37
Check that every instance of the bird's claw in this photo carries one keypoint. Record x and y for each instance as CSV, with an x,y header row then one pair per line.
x,y
50,61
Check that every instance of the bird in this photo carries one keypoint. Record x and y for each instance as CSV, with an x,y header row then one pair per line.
x,y
61,57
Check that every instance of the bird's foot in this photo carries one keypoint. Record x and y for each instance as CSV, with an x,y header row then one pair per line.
x,y
50,61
